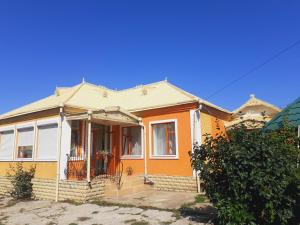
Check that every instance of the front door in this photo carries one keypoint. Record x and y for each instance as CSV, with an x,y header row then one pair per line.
x,y
101,149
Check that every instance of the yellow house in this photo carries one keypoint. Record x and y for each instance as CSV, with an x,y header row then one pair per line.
x,y
254,113
82,135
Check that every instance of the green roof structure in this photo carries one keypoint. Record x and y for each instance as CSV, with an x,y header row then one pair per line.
x,y
291,113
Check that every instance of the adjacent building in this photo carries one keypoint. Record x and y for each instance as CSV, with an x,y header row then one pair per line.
x,y
254,113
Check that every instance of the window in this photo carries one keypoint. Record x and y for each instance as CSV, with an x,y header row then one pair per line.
x,y
6,144
25,142
47,142
164,139
75,139
101,137
131,141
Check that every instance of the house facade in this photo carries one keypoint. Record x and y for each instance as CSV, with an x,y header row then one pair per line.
x,y
83,135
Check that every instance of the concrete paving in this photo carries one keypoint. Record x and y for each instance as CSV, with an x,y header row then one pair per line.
x,y
154,198
51,213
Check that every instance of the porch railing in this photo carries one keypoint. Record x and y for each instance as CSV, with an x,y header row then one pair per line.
x,y
103,164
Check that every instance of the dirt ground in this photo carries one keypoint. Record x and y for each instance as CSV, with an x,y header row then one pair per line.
x,y
50,213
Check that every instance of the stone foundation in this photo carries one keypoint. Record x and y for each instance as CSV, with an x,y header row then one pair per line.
x,y
174,183
68,190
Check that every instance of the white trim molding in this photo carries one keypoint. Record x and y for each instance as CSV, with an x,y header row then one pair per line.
x,y
47,121
7,128
176,139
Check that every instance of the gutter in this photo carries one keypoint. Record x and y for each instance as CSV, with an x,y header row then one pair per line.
x,y
61,115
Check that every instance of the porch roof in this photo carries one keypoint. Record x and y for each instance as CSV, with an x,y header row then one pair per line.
x,y
110,115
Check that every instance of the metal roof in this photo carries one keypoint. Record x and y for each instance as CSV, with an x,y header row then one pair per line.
x,y
291,113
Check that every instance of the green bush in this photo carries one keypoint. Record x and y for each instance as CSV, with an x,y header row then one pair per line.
x,y
249,176
21,181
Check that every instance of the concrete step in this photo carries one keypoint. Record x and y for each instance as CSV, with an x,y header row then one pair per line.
x,y
130,185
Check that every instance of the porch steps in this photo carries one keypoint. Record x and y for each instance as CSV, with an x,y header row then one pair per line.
x,y
130,185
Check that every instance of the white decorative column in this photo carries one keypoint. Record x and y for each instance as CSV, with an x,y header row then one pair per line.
x,y
88,167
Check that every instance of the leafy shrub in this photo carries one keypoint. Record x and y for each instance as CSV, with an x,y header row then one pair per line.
x,y
249,176
21,181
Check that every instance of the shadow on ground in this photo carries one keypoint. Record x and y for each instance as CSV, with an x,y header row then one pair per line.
x,y
204,214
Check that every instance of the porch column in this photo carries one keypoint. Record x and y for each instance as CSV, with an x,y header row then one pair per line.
x,y
88,168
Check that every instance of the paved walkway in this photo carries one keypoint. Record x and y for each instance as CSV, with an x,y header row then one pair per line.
x,y
50,213
159,199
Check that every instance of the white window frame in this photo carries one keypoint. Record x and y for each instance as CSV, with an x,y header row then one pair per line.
x,y
24,126
41,124
142,144
176,139
9,128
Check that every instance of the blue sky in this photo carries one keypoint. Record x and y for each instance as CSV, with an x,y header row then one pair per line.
x,y
198,45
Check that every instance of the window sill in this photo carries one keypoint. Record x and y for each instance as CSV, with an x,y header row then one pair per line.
x,y
164,157
131,157
24,160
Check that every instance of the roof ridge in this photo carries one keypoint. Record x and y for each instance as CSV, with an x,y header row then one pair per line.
x,y
141,85
260,100
74,92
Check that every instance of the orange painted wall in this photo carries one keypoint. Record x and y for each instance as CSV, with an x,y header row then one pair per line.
x,y
211,125
173,167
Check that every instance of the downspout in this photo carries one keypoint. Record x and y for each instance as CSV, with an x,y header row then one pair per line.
x,y
145,155
146,178
61,117
194,125
88,174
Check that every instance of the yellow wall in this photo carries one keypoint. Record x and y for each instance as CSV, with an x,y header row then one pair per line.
x,y
46,170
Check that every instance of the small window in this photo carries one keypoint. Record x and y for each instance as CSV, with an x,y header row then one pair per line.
x,y
47,142
25,143
164,139
6,144
131,141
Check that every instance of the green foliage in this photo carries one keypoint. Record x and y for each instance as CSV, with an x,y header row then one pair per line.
x,y
200,199
249,176
21,181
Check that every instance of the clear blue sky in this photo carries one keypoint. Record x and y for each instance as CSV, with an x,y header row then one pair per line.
x,y
198,45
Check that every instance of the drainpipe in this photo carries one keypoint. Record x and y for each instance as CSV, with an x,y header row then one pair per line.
x,y
144,147
88,172
58,153
197,172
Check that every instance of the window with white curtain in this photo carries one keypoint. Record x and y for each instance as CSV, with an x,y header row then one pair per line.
x,y
25,143
164,139
6,144
131,141
47,142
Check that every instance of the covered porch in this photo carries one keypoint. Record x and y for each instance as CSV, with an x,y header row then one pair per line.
x,y
96,142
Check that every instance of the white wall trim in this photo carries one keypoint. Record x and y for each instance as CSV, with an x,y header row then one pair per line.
x,y
25,125
150,140
7,128
47,121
